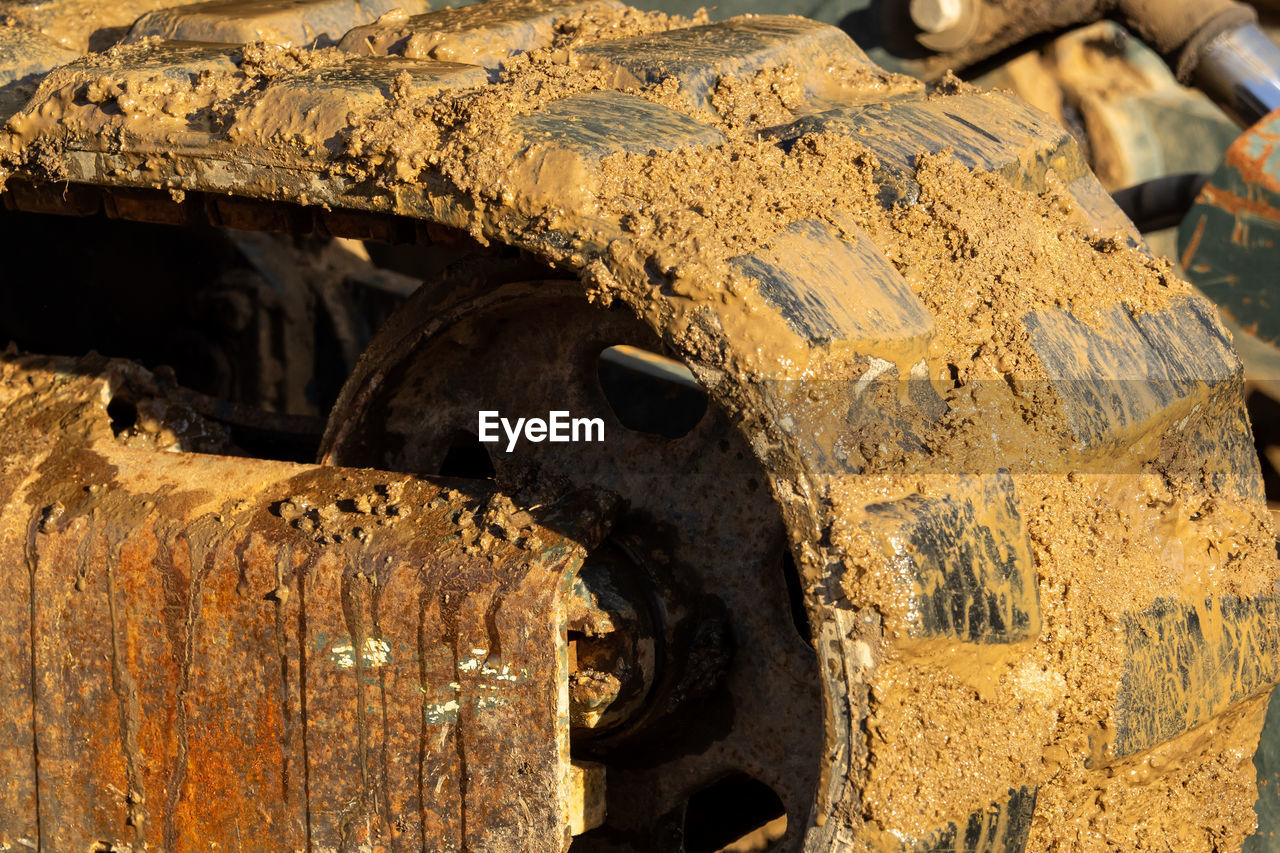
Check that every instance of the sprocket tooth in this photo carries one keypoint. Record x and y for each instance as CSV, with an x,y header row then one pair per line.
x,y
312,108
308,23
25,57
1002,827
807,270
1207,657
960,563
1125,376
484,34
93,98
700,57
76,25
599,123
564,141
986,131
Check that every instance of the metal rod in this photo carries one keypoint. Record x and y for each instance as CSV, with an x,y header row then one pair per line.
x,y
1240,69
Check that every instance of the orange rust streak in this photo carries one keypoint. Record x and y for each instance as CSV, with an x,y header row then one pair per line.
x,y
1254,169
1236,205
1194,243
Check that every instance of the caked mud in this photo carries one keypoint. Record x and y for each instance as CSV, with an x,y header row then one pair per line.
x,y
1086,618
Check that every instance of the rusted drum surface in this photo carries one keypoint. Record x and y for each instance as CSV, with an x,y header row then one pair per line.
x,y
205,652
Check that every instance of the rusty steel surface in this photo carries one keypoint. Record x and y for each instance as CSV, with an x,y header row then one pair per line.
x,y
1227,244
209,652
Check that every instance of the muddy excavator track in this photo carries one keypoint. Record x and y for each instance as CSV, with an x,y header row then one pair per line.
x,y
997,451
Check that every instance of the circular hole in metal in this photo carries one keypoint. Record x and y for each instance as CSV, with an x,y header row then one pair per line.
x,y
736,812
649,392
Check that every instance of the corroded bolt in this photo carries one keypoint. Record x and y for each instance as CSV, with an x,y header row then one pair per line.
x,y
611,643
592,692
938,16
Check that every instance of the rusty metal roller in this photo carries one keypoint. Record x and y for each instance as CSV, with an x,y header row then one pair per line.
x,y
206,650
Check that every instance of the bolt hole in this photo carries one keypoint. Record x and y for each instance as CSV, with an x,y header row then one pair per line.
x,y
467,457
123,415
736,813
650,393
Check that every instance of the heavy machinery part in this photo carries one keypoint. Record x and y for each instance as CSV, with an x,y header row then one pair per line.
x,y
27,55
1226,241
1146,137
314,24
223,652
480,338
1133,119
1217,44
1008,447
75,25
272,322
79,25
1160,202
1240,69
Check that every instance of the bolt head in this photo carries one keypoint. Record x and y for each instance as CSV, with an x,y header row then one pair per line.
x,y
938,16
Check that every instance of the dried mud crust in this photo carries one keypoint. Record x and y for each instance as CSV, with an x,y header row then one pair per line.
x,y
1008,442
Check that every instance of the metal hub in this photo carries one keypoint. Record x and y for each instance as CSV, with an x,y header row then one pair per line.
x,y
698,540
